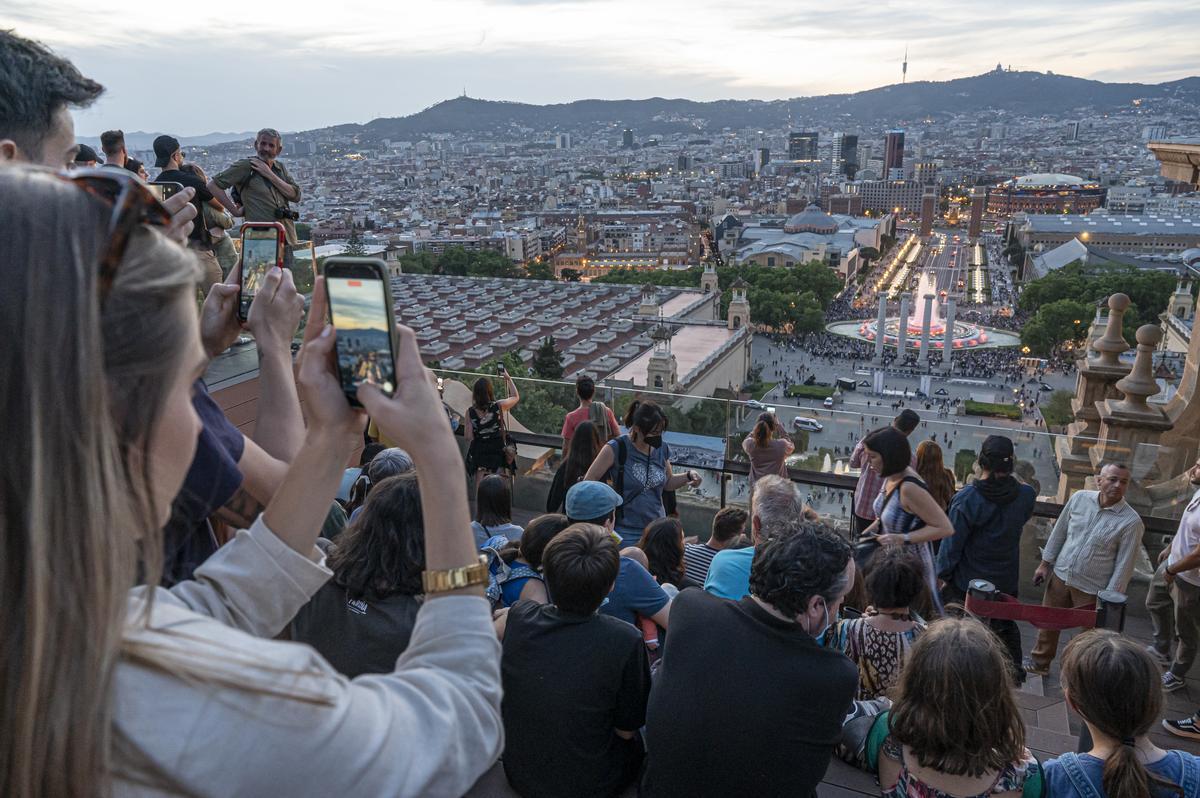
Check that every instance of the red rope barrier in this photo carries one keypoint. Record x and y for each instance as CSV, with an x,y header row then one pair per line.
x,y
1007,608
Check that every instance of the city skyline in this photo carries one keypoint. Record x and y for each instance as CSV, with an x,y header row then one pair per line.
x,y
315,71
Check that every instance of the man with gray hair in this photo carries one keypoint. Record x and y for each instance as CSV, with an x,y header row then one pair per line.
x,y
701,703
775,508
1091,548
264,188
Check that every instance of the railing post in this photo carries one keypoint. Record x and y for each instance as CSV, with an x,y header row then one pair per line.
x,y
1110,610
982,589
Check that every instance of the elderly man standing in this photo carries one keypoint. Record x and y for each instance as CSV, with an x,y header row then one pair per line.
x,y
264,188
1092,548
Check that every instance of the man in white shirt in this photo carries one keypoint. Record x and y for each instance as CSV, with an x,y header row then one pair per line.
x,y
1174,597
1091,548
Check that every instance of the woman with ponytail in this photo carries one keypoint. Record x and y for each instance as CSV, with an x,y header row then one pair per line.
x,y
768,447
1115,687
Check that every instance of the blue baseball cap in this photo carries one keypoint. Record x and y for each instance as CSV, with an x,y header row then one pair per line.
x,y
589,500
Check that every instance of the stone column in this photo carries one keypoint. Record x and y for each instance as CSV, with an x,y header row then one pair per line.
x,y
1130,429
1095,381
879,328
948,343
902,334
926,323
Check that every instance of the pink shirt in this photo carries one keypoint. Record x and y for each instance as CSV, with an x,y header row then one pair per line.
x,y
1186,540
579,415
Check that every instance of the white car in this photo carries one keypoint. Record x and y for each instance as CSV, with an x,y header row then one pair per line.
x,y
754,404
828,401
810,424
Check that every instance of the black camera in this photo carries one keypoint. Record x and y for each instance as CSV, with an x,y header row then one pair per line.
x,y
287,213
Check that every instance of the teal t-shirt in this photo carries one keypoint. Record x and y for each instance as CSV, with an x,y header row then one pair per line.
x,y
729,574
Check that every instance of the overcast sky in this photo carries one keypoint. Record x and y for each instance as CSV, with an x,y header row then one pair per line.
x,y
298,65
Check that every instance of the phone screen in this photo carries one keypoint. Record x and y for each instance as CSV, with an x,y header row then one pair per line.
x,y
162,191
259,256
364,325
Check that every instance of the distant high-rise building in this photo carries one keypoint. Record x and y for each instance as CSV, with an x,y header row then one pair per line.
x,y
684,164
893,155
998,130
762,157
1154,132
1072,131
802,146
925,173
844,155
627,139
562,141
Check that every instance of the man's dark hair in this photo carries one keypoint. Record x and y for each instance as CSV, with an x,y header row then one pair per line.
x,y
601,521
585,386
538,534
112,142
728,523
893,447
788,570
382,552
907,421
894,578
581,564
34,84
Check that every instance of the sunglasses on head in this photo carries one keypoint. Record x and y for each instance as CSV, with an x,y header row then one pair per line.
x,y
132,205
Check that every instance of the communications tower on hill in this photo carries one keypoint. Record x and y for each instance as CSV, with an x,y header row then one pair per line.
x,y
904,66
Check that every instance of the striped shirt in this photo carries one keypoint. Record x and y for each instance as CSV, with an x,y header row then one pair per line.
x,y
697,559
1092,548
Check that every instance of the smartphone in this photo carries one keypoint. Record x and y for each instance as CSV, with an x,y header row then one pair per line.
x,y
164,190
500,368
360,309
262,250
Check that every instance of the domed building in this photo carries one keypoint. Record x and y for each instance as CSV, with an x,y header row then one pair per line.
x,y
811,220
1044,193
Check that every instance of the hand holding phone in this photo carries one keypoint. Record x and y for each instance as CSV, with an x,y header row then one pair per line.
x,y
164,190
262,250
360,308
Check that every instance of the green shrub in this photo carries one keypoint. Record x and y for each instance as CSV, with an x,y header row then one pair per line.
x,y
964,459
810,391
993,409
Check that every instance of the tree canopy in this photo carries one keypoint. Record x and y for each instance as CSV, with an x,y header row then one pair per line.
x,y
1072,292
779,295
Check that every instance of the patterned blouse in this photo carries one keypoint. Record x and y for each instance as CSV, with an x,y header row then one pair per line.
x,y
1010,779
879,655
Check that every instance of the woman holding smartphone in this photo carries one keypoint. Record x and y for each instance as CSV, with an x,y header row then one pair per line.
x,y
906,514
486,432
109,688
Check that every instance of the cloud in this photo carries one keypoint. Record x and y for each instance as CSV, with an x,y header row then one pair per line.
x,y
318,64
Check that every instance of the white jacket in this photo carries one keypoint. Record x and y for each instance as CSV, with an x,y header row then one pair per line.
x,y
430,728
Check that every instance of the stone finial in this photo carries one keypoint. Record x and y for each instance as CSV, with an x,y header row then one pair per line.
x,y
1112,344
1139,384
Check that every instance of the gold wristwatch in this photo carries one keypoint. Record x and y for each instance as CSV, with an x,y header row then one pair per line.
x,y
456,578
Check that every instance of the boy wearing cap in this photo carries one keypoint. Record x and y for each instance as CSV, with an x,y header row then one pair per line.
x,y
988,516
576,682
636,592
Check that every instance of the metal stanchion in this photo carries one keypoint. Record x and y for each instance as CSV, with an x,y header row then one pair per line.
x,y
982,589
1110,610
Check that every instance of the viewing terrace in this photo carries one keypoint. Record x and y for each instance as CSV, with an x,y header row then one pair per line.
x,y
711,445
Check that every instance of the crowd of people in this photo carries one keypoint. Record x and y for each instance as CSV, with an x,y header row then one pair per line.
x,y
357,633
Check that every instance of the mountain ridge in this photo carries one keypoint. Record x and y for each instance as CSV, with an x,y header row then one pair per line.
x,y
1019,92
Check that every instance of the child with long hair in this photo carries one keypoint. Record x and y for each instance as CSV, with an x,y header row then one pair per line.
x,y
1115,686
